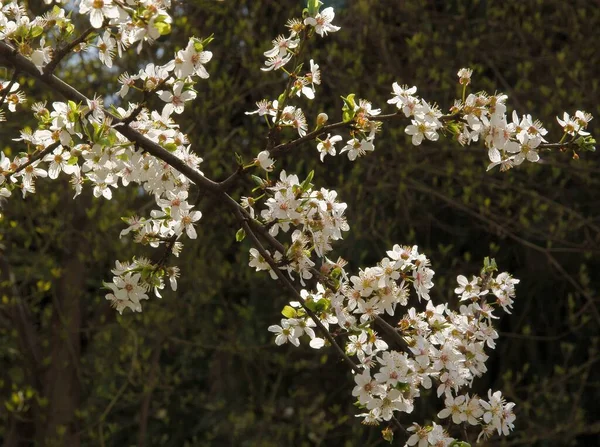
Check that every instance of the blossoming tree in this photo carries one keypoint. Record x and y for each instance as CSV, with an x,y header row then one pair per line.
x,y
393,350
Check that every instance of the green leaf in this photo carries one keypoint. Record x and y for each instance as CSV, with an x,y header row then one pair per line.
x,y
310,303
200,44
402,387
36,31
306,185
72,106
289,312
240,235
262,183
162,26
239,160
322,305
312,7
348,112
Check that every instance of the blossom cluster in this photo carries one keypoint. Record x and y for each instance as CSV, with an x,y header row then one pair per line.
x,y
478,117
86,148
86,141
83,140
494,414
133,281
284,48
283,51
440,344
125,24
30,35
317,219
483,117
129,22
425,118
497,416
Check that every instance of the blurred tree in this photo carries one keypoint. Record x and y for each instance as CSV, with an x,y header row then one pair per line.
x,y
199,368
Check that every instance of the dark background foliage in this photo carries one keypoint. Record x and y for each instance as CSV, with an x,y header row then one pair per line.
x,y
198,367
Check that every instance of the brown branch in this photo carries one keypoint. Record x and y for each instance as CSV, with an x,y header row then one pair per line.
x,y
391,331
286,282
36,157
9,86
8,54
136,112
229,181
280,148
62,52
262,230
283,147
398,424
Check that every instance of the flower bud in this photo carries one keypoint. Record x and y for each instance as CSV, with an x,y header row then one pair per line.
x,y
464,75
322,118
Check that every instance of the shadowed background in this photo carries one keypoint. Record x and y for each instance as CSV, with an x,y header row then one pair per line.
x,y
198,367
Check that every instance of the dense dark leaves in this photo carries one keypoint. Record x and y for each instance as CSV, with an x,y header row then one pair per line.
x,y
199,367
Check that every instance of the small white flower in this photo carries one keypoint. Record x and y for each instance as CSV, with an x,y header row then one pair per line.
x,y
106,48
265,107
99,10
420,129
327,146
186,222
464,75
264,161
41,56
281,45
176,100
322,22
190,62
285,333
276,62
58,160
357,148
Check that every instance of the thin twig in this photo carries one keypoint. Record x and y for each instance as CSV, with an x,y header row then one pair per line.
x,y
9,54
61,53
226,184
398,424
36,157
9,86
391,331
504,231
269,259
136,112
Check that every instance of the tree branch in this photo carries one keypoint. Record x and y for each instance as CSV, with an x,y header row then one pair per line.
x,y
61,53
280,148
391,331
8,54
9,86
268,258
36,157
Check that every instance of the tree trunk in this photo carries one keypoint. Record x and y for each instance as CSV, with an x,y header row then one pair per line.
x,y
62,378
